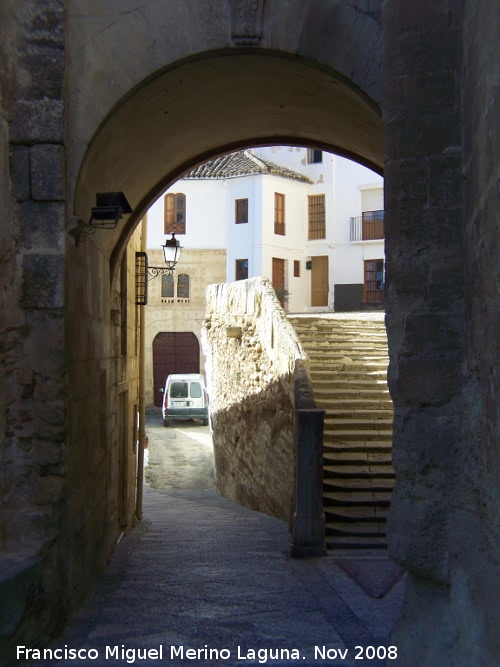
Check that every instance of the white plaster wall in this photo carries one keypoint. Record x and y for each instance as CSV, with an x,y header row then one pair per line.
x,y
372,197
243,238
291,246
206,203
349,188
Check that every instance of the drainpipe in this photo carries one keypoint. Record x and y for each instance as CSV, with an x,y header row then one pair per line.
x,y
142,391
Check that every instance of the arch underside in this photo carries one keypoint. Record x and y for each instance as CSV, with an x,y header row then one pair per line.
x,y
206,107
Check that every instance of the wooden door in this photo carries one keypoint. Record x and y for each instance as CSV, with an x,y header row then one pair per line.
x,y
279,278
173,352
319,281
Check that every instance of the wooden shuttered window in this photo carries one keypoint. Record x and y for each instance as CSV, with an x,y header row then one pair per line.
x,y
316,217
279,214
175,213
241,211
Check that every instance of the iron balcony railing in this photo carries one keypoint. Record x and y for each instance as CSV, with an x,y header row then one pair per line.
x,y
368,227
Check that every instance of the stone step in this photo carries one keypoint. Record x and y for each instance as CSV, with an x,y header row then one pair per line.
x,y
371,447
358,404
356,498
351,457
357,434
348,363
349,392
369,378
372,528
358,473
357,513
367,423
374,414
357,484
336,542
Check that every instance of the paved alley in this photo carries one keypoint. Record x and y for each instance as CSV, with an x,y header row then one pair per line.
x,y
204,581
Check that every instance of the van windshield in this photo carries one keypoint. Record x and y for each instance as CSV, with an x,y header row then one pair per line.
x,y
195,390
179,390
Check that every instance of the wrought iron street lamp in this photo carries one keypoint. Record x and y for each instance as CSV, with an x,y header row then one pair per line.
x,y
171,254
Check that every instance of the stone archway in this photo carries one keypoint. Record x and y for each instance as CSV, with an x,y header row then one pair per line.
x,y
70,129
169,122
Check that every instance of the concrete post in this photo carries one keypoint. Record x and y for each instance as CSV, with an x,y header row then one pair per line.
x,y
309,519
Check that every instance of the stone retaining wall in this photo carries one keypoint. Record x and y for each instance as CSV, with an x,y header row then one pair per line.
x,y
251,352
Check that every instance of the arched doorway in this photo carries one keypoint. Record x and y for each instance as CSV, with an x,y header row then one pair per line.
x,y
180,115
173,352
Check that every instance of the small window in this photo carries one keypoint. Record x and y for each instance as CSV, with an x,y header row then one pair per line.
x,y
279,214
316,217
314,156
296,268
195,390
183,286
167,286
374,281
241,269
175,213
240,211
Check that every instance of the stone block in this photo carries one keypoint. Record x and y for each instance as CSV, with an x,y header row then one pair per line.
x,y
48,453
417,536
43,280
46,23
20,172
20,579
41,225
37,121
50,490
428,381
445,181
43,70
47,169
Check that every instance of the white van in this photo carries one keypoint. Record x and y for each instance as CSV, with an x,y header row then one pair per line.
x,y
185,397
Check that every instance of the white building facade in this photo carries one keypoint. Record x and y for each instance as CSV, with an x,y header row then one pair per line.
x,y
309,221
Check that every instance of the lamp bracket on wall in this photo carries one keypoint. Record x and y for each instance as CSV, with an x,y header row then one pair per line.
x,y
109,208
155,271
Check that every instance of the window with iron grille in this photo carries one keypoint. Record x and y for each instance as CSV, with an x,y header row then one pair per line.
x,y
183,286
374,281
296,268
314,155
316,217
175,213
241,269
240,211
167,286
279,214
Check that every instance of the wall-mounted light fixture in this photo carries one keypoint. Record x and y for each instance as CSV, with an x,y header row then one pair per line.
x,y
171,253
109,208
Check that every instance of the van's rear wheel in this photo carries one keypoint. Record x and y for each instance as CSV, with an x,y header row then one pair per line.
x,y
205,422
166,422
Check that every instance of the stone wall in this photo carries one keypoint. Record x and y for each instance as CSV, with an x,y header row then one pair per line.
x,y
251,351
442,312
204,267
33,410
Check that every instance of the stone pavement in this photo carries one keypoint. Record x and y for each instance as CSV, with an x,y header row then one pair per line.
x,y
203,572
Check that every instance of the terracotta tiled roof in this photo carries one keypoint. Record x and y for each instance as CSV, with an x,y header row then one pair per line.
x,y
242,163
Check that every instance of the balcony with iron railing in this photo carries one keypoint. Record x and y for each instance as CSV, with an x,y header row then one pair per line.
x,y
368,227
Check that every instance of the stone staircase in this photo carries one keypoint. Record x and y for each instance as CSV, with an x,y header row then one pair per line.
x,y
348,363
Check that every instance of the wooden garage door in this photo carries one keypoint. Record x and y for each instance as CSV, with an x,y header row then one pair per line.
x,y
173,352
